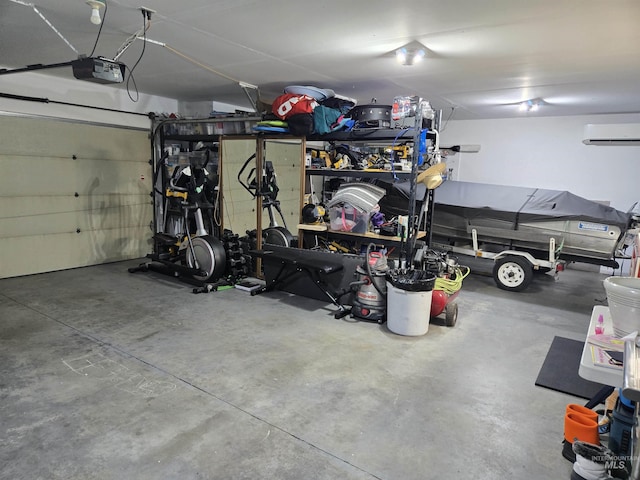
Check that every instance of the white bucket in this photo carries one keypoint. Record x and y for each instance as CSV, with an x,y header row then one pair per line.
x,y
408,313
623,297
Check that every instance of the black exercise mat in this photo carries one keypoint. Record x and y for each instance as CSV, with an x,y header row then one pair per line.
x,y
559,371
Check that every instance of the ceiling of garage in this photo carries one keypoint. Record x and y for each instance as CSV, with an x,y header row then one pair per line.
x,y
483,56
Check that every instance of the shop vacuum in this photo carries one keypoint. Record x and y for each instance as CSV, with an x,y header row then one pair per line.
x,y
370,288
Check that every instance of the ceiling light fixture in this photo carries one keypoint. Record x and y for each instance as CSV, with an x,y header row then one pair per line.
x,y
529,106
406,56
96,5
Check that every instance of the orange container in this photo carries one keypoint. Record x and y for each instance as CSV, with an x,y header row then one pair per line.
x,y
580,427
581,410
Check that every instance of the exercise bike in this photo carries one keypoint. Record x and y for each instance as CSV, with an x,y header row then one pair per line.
x,y
267,189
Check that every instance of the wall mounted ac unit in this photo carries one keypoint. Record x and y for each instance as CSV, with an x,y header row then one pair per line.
x,y
612,134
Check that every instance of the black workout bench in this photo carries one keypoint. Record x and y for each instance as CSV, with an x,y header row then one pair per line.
x,y
303,261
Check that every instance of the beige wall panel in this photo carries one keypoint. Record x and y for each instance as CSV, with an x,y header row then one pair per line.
x,y
39,210
287,157
239,207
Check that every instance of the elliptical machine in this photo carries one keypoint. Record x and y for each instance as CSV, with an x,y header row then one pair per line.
x,y
202,251
186,246
267,188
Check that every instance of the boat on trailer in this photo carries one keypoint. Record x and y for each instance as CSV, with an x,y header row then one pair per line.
x,y
503,217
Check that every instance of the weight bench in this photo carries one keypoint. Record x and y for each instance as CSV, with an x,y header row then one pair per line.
x,y
292,261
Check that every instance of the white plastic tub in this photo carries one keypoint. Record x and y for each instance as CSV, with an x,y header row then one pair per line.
x,y
623,296
408,313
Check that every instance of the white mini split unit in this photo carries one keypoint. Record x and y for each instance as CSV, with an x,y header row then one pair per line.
x,y
612,134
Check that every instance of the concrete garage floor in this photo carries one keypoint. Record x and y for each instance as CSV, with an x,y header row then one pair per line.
x,y
111,375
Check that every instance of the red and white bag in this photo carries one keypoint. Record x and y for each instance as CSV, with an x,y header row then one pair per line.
x,y
290,104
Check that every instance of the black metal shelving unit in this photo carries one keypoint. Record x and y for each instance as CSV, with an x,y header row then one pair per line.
x,y
389,137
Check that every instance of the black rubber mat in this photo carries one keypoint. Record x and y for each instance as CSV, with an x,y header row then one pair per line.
x,y
559,371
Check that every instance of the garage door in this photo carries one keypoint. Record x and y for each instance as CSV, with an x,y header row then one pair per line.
x,y
71,195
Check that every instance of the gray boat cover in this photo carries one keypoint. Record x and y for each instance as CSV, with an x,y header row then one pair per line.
x,y
522,204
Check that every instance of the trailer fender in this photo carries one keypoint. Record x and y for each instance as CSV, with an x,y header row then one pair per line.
x,y
535,263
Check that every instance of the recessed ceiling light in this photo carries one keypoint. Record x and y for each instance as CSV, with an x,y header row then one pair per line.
x,y
530,105
409,56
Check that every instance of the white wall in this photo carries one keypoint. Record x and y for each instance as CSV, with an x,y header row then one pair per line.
x,y
204,109
58,89
546,152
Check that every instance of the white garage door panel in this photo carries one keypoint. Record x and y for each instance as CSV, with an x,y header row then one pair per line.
x,y
62,215
29,175
57,212
32,208
45,253
34,136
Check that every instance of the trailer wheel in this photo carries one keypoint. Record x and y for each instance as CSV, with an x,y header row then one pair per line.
x,y
512,273
451,314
